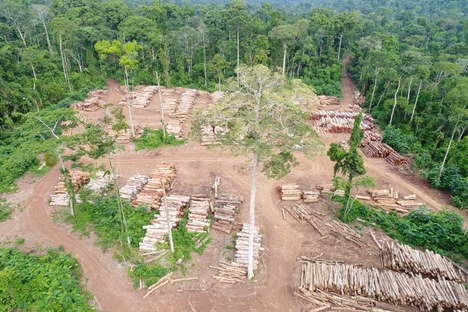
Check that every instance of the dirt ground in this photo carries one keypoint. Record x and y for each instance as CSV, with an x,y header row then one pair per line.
x,y
284,240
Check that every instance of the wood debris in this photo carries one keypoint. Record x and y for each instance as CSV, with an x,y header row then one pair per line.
x,y
157,230
226,207
134,185
402,258
398,288
198,214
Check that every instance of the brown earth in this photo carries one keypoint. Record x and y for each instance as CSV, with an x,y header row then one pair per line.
x,y
284,240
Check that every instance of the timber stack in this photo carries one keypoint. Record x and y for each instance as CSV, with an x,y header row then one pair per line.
x,y
402,258
290,192
397,288
134,185
325,188
102,183
166,173
339,122
174,205
143,98
169,106
371,136
377,149
226,208
389,199
174,128
230,273
185,105
328,100
242,244
199,209
395,159
209,134
93,101
310,196
60,196
159,181
123,136
358,98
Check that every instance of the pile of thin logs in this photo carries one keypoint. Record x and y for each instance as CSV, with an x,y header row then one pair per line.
x,y
143,98
242,243
199,208
230,273
398,288
185,104
60,196
358,98
395,159
122,136
93,102
102,183
310,196
377,149
328,100
173,205
169,105
134,185
389,199
174,128
225,210
339,122
209,134
402,258
289,192
160,180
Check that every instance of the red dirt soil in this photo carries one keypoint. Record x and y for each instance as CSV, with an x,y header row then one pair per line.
x,y
284,240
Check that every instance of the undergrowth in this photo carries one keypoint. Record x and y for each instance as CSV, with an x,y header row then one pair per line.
x,y
152,139
5,210
441,232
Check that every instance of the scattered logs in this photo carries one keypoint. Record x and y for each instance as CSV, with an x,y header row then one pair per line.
x,y
226,208
398,288
158,229
134,185
230,273
395,159
402,258
290,192
198,214
242,243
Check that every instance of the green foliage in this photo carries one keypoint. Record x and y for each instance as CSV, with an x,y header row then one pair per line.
x,y
403,142
5,210
40,283
441,231
20,241
152,139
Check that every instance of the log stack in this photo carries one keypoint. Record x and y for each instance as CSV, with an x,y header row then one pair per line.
x,y
290,192
174,128
389,199
358,98
398,288
60,196
170,106
102,183
209,134
226,208
377,149
166,173
230,273
325,188
157,230
242,243
142,99
198,214
310,196
402,258
339,122
395,159
93,101
160,180
59,199
134,185
123,136
328,100
185,105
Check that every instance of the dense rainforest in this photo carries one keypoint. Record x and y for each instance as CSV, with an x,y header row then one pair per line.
x,y
408,58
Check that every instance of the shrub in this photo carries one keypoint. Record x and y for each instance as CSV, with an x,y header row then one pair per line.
x,y
152,139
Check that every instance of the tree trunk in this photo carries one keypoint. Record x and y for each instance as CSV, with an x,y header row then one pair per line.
x,y
284,57
252,216
395,103
128,101
339,47
383,94
446,153
49,45
348,194
373,92
409,90
64,64
238,53
161,106
204,60
416,102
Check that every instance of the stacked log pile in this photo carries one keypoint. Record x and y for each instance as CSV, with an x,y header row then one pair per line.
x,y
160,180
198,214
60,196
170,105
226,208
123,136
402,258
395,159
325,188
339,122
59,199
93,102
143,98
242,243
102,183
185,105
358,98
230,273
174,128
398,288
328,100
389,199
376,149
134,185
156,231
209,134
310,196
371,136
290,192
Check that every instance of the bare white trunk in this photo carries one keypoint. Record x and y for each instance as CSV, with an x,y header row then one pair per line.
x,y
238,53
395,102
158,79
373,92
204,60
252,216
416,102
284,57
129,105
446,153
339,47
409,90
64,63
49,45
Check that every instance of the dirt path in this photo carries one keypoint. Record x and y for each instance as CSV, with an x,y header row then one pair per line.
x,y
347,85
